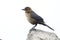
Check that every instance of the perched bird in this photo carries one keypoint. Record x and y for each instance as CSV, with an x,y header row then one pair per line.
x,y
33,18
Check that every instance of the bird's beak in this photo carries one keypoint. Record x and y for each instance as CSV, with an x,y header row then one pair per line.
x,y
23,9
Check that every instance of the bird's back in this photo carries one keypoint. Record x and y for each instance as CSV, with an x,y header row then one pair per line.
x,y
37,17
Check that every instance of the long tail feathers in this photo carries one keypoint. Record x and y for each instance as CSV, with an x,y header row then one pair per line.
x,y
48,26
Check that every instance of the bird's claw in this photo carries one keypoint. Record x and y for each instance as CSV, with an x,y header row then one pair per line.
x,y
32,29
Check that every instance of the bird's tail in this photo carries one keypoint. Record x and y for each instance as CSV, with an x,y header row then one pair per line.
x,y
48,26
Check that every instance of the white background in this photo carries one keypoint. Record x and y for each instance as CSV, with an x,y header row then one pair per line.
x,y
13,23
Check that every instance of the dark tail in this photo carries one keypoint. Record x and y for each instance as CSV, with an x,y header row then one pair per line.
x,y
48,26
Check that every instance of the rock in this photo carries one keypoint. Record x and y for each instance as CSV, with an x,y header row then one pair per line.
x,y
41,35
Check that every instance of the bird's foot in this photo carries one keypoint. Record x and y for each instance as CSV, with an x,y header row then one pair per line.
x,y
32,29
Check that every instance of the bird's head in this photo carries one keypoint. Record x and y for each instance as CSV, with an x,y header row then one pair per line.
x,y
27,9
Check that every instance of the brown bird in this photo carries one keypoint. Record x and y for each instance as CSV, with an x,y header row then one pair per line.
x,y
33,18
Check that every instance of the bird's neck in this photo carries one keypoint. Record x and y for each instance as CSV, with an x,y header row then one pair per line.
x,y
27,12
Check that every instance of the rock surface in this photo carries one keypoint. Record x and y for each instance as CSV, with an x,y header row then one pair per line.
x,y
41,35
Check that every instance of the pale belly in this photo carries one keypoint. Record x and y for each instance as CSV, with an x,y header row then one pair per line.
x,y
31,20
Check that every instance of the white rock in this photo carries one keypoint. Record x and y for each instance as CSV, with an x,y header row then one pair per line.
x,y
41,35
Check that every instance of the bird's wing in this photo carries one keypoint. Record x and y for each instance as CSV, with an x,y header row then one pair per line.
x,y
36,17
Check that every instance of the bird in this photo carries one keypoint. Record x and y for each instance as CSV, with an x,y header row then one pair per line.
x,y
34,18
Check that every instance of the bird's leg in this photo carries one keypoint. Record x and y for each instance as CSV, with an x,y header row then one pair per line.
x,y
34,27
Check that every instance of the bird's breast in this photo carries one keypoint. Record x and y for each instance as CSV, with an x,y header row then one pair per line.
x,y
30,19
